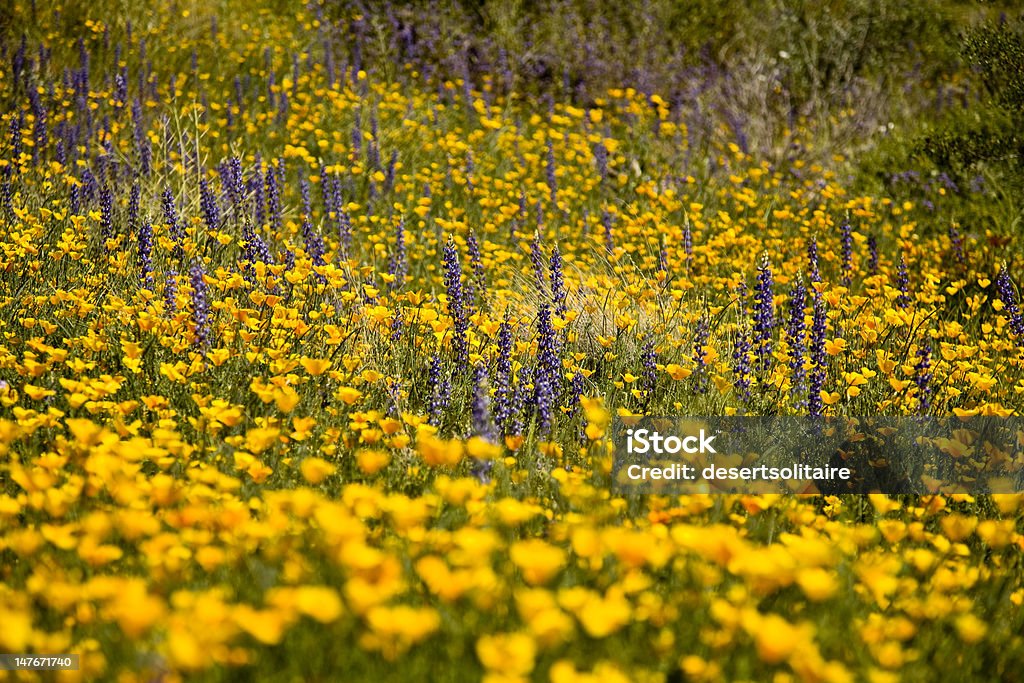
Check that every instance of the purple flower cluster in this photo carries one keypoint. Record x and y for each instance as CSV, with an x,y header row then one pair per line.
x,y
145,234
273,183
741,369
456,301
255,251
398,267
552,180
956,241
200,305
483,424
208,205
923,378
601,159
700,339
133,208
503,388
476,286
648,370
872,255
764,313
812,260
171,293
174,227
106,215
537,261
903,283
796,335
547,377
819,358
609,239
558,294
440,391
846,238
1008,295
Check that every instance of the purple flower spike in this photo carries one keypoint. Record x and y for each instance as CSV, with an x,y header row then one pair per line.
x,y
456,301
819,358
903,283
796,337
1008,295
764,313
200,306
923,378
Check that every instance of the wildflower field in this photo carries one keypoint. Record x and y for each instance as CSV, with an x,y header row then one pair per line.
x,y
315,325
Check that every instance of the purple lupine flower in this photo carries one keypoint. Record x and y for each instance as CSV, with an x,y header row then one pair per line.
x,y
256,190
537,261
469,172
389,174
145,234
282,108
14,130
688,243
558,294
523,396
133,209
208,205
547,376
143,148
357,133
90,187
440,391
812,260
956,241
483,424
609,240
106,215
397,325
171,293
314,245
846,238
399,266
1007,294
819,358
74,194
456,302
476,286
872,255
701,333
255,251
39,131
274,198
903,283
764,313
307,202
550,171
796,337
503,376
174,227
231,181
572,400
662,257
200,305
344,234
601,159
742,345
923,378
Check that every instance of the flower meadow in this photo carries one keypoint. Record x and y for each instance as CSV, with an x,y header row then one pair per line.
x,y
309,363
